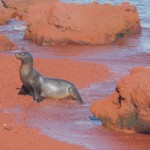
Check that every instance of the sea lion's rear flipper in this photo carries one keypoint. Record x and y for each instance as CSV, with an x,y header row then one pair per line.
x,y
23,91
75,94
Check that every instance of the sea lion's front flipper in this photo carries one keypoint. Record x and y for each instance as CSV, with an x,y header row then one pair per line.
x,y
37,97
23,91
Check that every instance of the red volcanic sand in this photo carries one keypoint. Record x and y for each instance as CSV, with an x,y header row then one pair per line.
x,y
6,44
6,14
18,136
62,23
129,106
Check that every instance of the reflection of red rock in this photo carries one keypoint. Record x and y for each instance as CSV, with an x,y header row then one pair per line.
x,y
129,106
6,14
6,44
61,23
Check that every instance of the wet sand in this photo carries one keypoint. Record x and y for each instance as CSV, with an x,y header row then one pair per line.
x,y
17,136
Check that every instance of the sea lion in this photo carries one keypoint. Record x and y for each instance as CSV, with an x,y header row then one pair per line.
x,y
42,87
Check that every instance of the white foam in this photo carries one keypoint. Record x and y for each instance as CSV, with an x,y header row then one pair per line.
x,y
19,27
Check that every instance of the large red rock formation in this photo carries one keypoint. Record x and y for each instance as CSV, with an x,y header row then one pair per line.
x,y
129,106
62,23
6,14
6,44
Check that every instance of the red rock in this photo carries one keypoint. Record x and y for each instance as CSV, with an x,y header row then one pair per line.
x,y
129,106
6,44
62,23
6,14
21,6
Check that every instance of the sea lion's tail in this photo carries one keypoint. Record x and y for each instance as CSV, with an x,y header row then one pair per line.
x,y
75,93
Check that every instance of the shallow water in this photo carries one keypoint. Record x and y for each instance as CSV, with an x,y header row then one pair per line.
x,y
72,122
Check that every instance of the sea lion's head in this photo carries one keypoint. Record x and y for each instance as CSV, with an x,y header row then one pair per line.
x,y
25,57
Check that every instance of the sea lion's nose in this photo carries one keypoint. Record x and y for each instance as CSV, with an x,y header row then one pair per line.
x,y
17,55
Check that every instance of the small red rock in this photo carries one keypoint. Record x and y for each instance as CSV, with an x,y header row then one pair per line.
x,y
6,14
6,44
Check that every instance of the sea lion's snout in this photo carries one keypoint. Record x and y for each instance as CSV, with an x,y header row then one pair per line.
x,y
19,55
